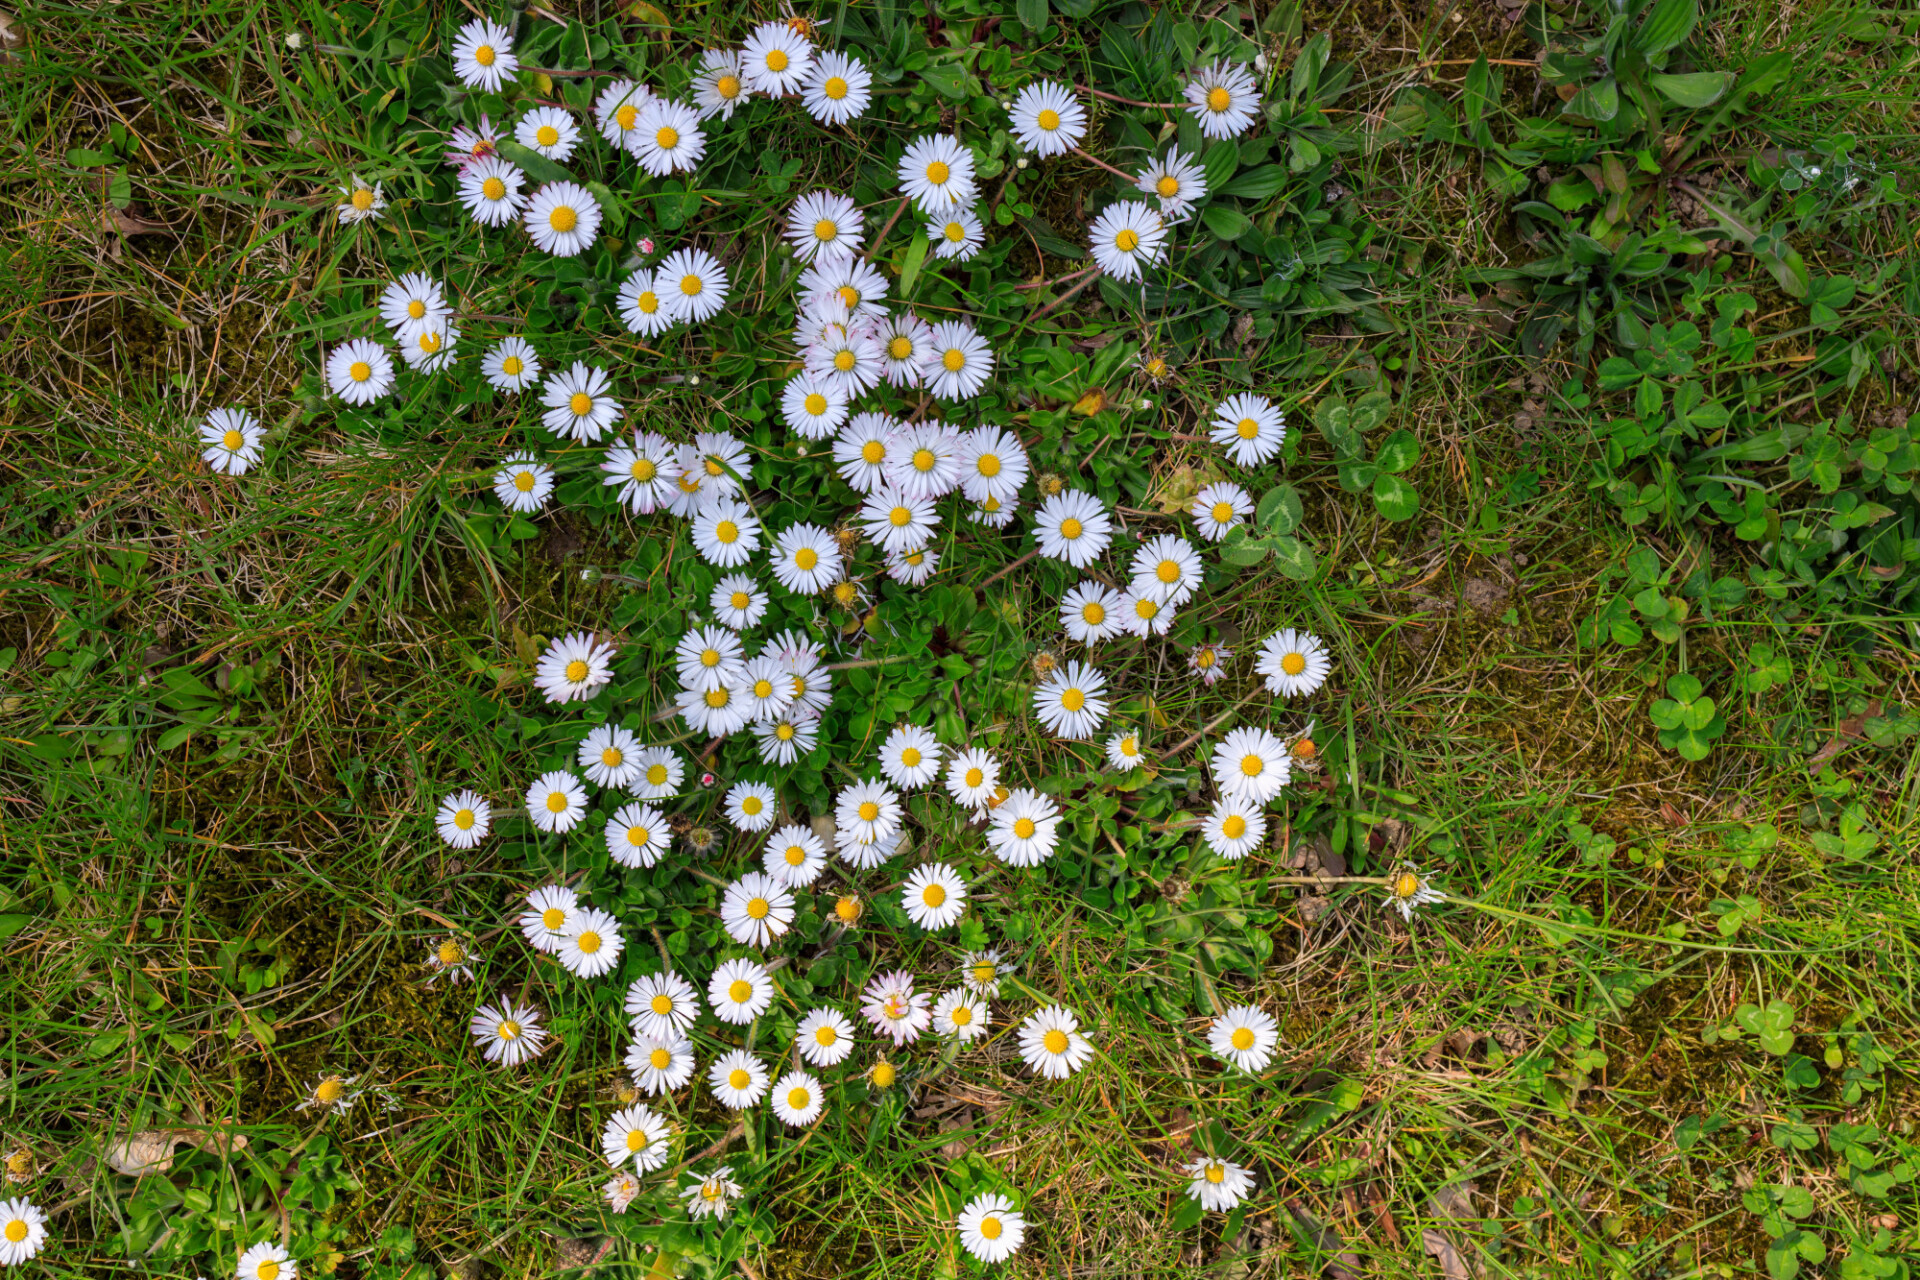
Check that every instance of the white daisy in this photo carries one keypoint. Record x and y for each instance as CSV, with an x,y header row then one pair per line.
x,y
620,1191
359,371
1090,613
1244,1037
862,449
1051,1043
662,1006
822,316
511,366
848,360
961,1014
897,522
232,441
1219,1185
709,658
767,689
23,1230
617,111
1145,615
993,464
741,990
660,1067
490,191
556,801
813,407
993,513
756,909
1408,890
751,806
788,737
660,773
915,568
806,559
980,972
794,855
430,349
1123,751
509,1033
1218,508
1166,567
717,713
1295,663
483,55
563,218
972,777
1177,181
363,201
923,460
737,602
642,309
545,919
264,1261
1209,662
738,1079
937,172
959,361
551,131
668,138
905,341
637,1136
579,403
464,818
640,472
1047,119
1071,701
775,59
837,89
637,835
1223,98
694,285
989,1228
590,942
1235,828
856,285
796,1099
867,812
710,1197
1026,825
574,668
720,86
865,855
413,302
934,896
894,1008
1251,764
1127,237
725,461
609,756
726,533
465,145
956,235
1072,526
824,1037
1250,427
910,757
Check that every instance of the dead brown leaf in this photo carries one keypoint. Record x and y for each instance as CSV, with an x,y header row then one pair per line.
x,y
1452,1202
1851,729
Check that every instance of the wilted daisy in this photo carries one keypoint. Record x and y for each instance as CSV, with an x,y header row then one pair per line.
x,y
775,59
787,737
573,668
794,856
359,371
956,234
636,1136
451,960
1090,613
720,86
847,909
1219,1185
937,172
717,713
1145,615
331,1092
579,403
363,201
1072,526
1244,1037
989,1228
1025,827
751,806
1223,98
915,568
1177,180
959,361
545,919
490,191
617,111
806,559
232,441
551,131
637,835
1407,890
796,1099
556,801
934,896
660,1066
905,341
463,820
738,1079
992,464
824,224
737,602
712,1195
1051,1043
867,812
694,285
709,658
1126,238
1294,663
1250,427
1047,119
590,942
847,360
1071,702
1251,764
620,1191
661,772
642,309
511,365
1123,750
972,777
483,55
910,757
509,1033
413,302
961,1014
1166,567
813,407
563,218
668,138
264,1261
608,756
1219,508
862,449
726,533
980,972
662,1005
898,522
1209,661
837,89
741,990
1236,827
430,349
894,1008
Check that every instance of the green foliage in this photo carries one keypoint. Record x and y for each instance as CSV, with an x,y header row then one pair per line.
x,y
1379,471
1270,534
1688,720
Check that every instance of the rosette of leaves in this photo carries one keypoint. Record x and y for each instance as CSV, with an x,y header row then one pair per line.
x,y
1381,472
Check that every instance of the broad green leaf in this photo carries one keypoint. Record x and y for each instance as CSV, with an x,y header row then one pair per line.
x,y
1309,63
916,258
948,79
1599,102
1668,24
532,163
1032,13
83,158
1228,224
1398,452
1256,183
1696,89
1396,499
1221,159
1279,510
1295,559
1370,410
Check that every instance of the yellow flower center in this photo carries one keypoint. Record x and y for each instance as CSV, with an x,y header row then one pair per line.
x,y
508,1030
417,309
910,757
557,802
740,599
1168,187
636,1139
869,811
991,1228
900,517
708,658
783,731
848,909
983,974
563,218
961,1015
752,805
1233,828
873,451
484,55
611,757
975,777
727,531
362,199
825,1035
662,1004
1169,571
776,60
740,992
798,1100
464,819
843,360
643,470
546,135
718,698
667,138
924,460
1293,663
660,1059
937,172
727,86
581,404
233,440
639,837
758,908
627,115
1093,613
1405,884
815,403
448,953
806,558
1247,429
835,88
647,303
576,671
1129,747
513,366
330,1089
429,342
1073,699
739,1079
553,917
1242,1038
884,1074
1205,659
267,1270
691,285
359,371
1218,99
1071,528
955,232
1222,512
1055,1041
795,855
934,895
954,360
1049,120
493,188
1127,240
657,775
1252,765
588,942
1146,610
1024,828
1216,1174
849,295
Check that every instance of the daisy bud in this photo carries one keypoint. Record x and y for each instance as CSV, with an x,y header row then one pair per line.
x,y
1144,404
706,779
646,245
295,39
693,380
590,575
1006,104
1021,163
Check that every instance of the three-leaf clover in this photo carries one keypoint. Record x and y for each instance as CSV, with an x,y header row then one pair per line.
x,y
1270,533
1688,721
1772,1025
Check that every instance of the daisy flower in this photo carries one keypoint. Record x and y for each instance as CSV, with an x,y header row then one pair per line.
x,y
794,855
751,805
556,801
894,1008
786,738
23,1230
1145,615
619,1191
636,1135
957,235
796,1099
710,1197
640,472
590,942
910,757
896,522
1244,1037
1127,237
737,602
1071,701
934,897
738,1079
1051,1043
718,713
660,1066
359,371
642,309
464,145
1123,751
1177,181
509,1033
430,349
708,658
961,1014
766,689
574,668
720,86
545,918
937,172
980,972
1025,828
511,366
363,201
959,361
1072,526
915,568
923,460
989,1228
1235,828
1295,663
849,282
1251,764
905,342
1219,508
1209,661
607,756
775,59
1219,1185
837,89
333,1093
993,513
1408,890
264,1261
616,112
972,776
578,402
741,990
813,407
865,855
483,55
668,138
1166,567
660,773
1250,427
1047,119
1090,613
490,191
413,302
232,441
563,218
848,361
992,464
662,1006
867,812
806,559
862,449
724,460
637,835
726,533
464,819
824,1037
1223,98
550,131
694,285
